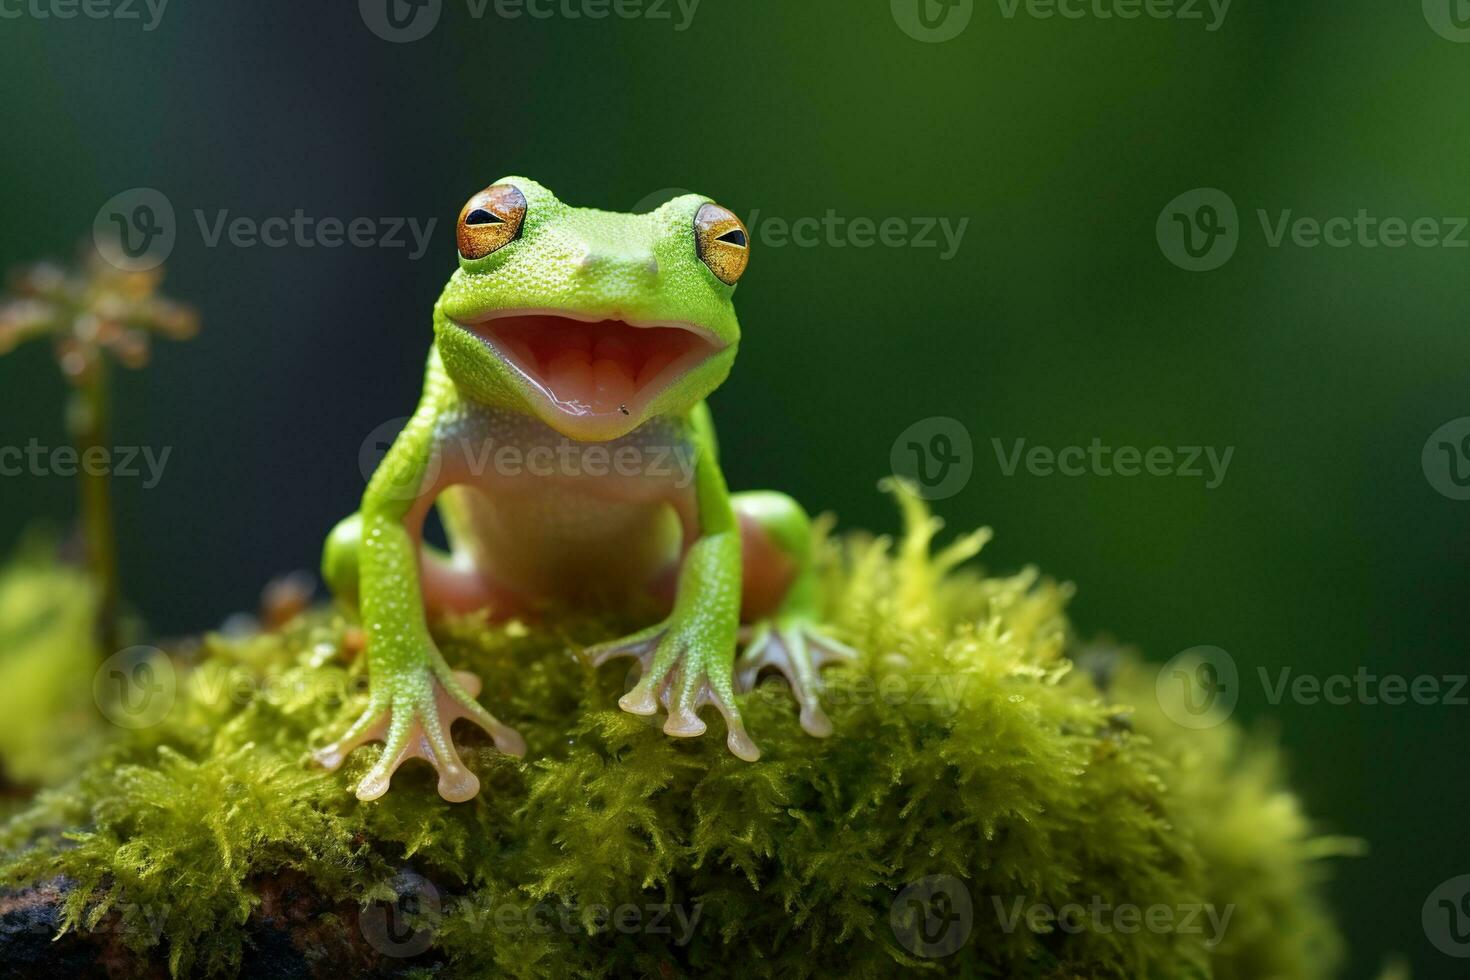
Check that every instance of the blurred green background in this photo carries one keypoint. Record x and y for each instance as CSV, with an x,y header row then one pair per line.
x,y
1058,320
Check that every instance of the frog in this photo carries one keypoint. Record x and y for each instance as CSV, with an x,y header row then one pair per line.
x,y
564,438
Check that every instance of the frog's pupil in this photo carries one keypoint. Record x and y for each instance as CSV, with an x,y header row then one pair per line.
x,y
480,216
734,236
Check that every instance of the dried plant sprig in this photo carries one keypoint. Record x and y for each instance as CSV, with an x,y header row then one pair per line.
x,y
86,311
89,312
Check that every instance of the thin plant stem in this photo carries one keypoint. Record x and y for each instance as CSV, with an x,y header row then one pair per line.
x,y
90,431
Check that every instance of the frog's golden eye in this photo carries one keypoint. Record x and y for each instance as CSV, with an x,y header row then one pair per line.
x,y
490,220
723,243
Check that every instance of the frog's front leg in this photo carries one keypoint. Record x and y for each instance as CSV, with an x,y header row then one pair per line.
x,y
688,659
414,697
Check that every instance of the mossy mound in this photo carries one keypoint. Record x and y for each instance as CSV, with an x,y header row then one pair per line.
x,y
975,780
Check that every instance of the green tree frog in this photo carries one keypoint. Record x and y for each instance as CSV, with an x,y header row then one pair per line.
x,y
563,436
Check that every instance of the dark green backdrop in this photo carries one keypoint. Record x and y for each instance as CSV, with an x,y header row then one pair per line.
x,y
1058,320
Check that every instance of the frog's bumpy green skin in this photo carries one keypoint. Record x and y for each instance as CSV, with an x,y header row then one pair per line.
x,y
589,266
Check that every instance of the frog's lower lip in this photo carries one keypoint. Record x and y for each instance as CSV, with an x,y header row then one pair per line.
x,y
590,366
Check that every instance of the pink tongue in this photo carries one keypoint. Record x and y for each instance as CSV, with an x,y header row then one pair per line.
x,y
597,376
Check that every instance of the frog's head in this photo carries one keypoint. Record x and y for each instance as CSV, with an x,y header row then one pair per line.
x,y
592,321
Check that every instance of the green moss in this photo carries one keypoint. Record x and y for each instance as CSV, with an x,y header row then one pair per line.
x,y
966,745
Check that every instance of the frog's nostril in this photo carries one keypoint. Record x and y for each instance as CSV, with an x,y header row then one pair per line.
x,y
602,263
594,262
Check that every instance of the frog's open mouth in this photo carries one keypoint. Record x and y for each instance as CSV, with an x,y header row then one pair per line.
x,y
589,367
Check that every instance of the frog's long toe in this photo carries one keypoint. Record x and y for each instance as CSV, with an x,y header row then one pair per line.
x,y
798,652
665,681
683,700
371,726
419,728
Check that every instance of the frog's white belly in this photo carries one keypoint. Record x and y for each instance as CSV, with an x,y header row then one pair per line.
x,y
551,517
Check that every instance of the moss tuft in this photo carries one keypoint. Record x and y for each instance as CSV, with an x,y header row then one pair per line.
x,y
975,779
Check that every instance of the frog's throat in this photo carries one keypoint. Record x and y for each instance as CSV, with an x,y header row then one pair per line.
x,y
589,368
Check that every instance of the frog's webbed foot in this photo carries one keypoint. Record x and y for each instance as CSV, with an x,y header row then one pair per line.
x,y
412,716
682,669
798,651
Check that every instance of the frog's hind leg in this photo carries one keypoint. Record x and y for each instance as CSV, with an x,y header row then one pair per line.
x,y
340,560
450,585
781,600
